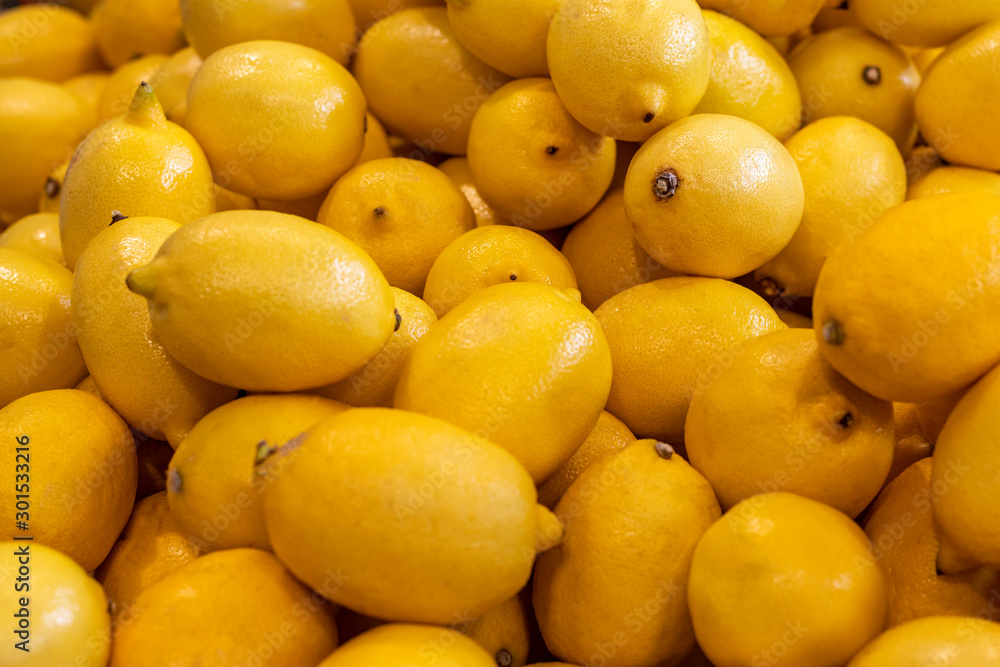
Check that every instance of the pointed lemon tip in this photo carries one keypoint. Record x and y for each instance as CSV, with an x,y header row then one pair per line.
x,y
145,106
142,281
550,532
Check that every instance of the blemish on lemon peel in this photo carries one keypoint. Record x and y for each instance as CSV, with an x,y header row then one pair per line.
x,y
833,332
665,184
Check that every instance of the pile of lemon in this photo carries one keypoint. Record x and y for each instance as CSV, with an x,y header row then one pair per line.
x,y
486,333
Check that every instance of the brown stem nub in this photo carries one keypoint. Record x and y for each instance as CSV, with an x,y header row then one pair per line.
x,y
117,216
52,188
872,75
833,332
846,420
551,150
665,184
379,211
504,658
664,450
513,276
399,319
648,118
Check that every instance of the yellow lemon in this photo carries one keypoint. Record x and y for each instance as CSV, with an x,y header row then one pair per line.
x,y
901,528
851,173
81,481
232,322
609,435
307,207
138,164
129,28
632,522
374,385
37,335
238,606
151,390
64,613
532,162
421,82
503,631
119,90
414,645
924,23
151,546
737,180
835,15
401,212
922,161
954,179
786,578
40,125
626,68
965,459
302,124
750,79
88,86
509,35
38,233
376,144
958,101
48,202
779,418
493,255
911,443
933,414
605,255
227,200
324,25
47,42
924,58
849,72
685,329
939,641
173,79
771,18
212,488
472,368
444,546
457,169
901,311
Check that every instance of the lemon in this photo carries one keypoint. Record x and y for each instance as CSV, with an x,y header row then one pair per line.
x,y
851,173
374,385
686,329
89,87
401,212
151,546
307,207
173,79
473,367
900,310
421,82
150,389
232,322
376,144
779,418
771,18
939,641
901,528
40,125
954,179
46,42
912,444
457,169
84,479
922,161
48,202
735,179
503,631
965,461
235,606
129,28
957,103
301,124
532,162
138,164
509,35
493,255
849,72
414,645
609,435
37,333
445,546
933,414
325,25
783,577
632,522
835,15
750,79
605,255
119,90
212,489
67,617
926,23
627,68
38,233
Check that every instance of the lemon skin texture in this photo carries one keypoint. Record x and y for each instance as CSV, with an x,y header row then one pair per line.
x,y
152,391
930,334
627,68
300,125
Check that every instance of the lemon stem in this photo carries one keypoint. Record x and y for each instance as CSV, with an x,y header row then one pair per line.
x,y
663,450
145,108
399,319
665,184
